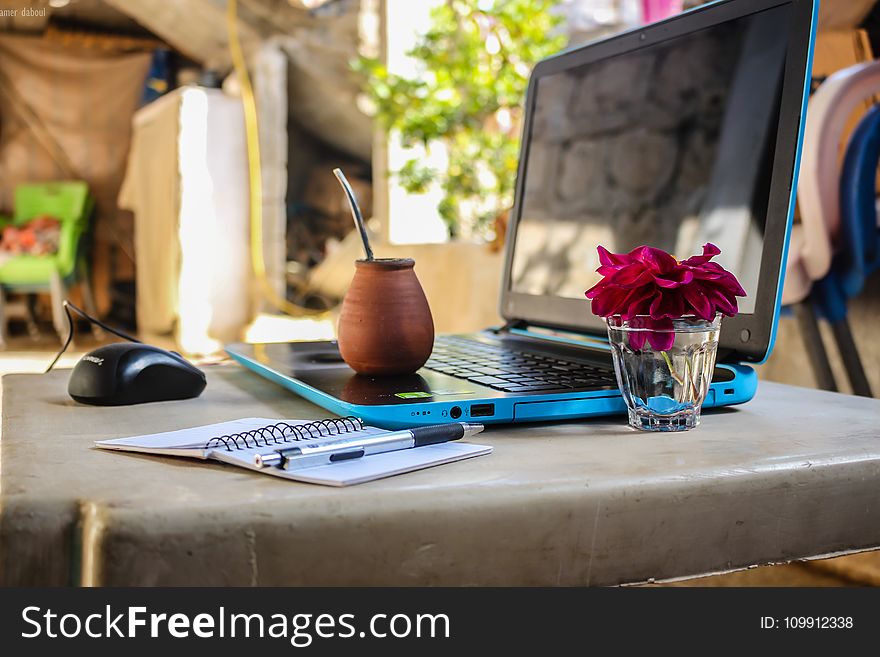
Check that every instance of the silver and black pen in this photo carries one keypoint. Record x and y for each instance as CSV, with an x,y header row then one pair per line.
x,y
308,454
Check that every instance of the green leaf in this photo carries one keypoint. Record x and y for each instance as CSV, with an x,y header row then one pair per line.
x,y
461,84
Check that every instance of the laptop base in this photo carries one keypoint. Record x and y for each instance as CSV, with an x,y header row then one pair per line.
x,y
315,371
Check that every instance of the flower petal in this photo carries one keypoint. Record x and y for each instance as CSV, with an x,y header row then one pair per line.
x,y
722,279
612,259
596,289
721,302
661,340
638,302
609,301
675,278
709,252
667,304
632,275
637,339
696,298
656,259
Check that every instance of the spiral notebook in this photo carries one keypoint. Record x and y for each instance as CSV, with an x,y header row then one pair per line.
x,y
239,441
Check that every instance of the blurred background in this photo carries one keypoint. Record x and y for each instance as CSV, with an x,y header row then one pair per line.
x,y
166,165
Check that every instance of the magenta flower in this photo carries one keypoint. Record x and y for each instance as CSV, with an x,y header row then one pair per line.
x,y
650,284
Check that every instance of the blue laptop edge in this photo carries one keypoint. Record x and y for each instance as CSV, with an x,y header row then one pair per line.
x,y
564,406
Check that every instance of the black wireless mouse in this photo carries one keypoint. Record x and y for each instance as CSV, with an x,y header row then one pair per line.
x,y
133,373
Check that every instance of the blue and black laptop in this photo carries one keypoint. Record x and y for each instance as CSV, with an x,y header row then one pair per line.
x,y
684,132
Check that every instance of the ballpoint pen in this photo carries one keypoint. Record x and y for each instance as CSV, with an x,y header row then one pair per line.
x,y
333,451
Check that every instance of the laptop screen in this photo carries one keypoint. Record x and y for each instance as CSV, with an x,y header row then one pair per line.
x,y
670,145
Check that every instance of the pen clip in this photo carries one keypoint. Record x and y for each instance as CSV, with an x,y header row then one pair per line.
x,y
347,456
313,460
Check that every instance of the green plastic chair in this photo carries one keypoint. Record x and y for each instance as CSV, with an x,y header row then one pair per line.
x,y
71,203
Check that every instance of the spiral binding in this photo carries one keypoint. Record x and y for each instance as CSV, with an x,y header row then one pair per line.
x,y
278,434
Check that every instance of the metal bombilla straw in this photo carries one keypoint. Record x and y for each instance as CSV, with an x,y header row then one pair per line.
x,y
355,212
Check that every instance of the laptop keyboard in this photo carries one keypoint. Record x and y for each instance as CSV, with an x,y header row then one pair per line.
x,y
512,370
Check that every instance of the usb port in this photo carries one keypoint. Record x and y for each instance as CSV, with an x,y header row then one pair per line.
x,y
482,410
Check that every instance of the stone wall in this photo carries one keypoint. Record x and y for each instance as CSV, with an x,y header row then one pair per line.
x,y
622,155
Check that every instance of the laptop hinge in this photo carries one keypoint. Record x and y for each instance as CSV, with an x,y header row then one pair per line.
x,y
511,324
538,330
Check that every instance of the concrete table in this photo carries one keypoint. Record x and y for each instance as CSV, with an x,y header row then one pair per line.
x,y
793,474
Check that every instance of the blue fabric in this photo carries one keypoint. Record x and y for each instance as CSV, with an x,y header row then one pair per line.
x,y
858,250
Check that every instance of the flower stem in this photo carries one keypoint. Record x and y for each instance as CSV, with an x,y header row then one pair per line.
x,y
671,368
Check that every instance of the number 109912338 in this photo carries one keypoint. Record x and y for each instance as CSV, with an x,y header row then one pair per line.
x,y
807,623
